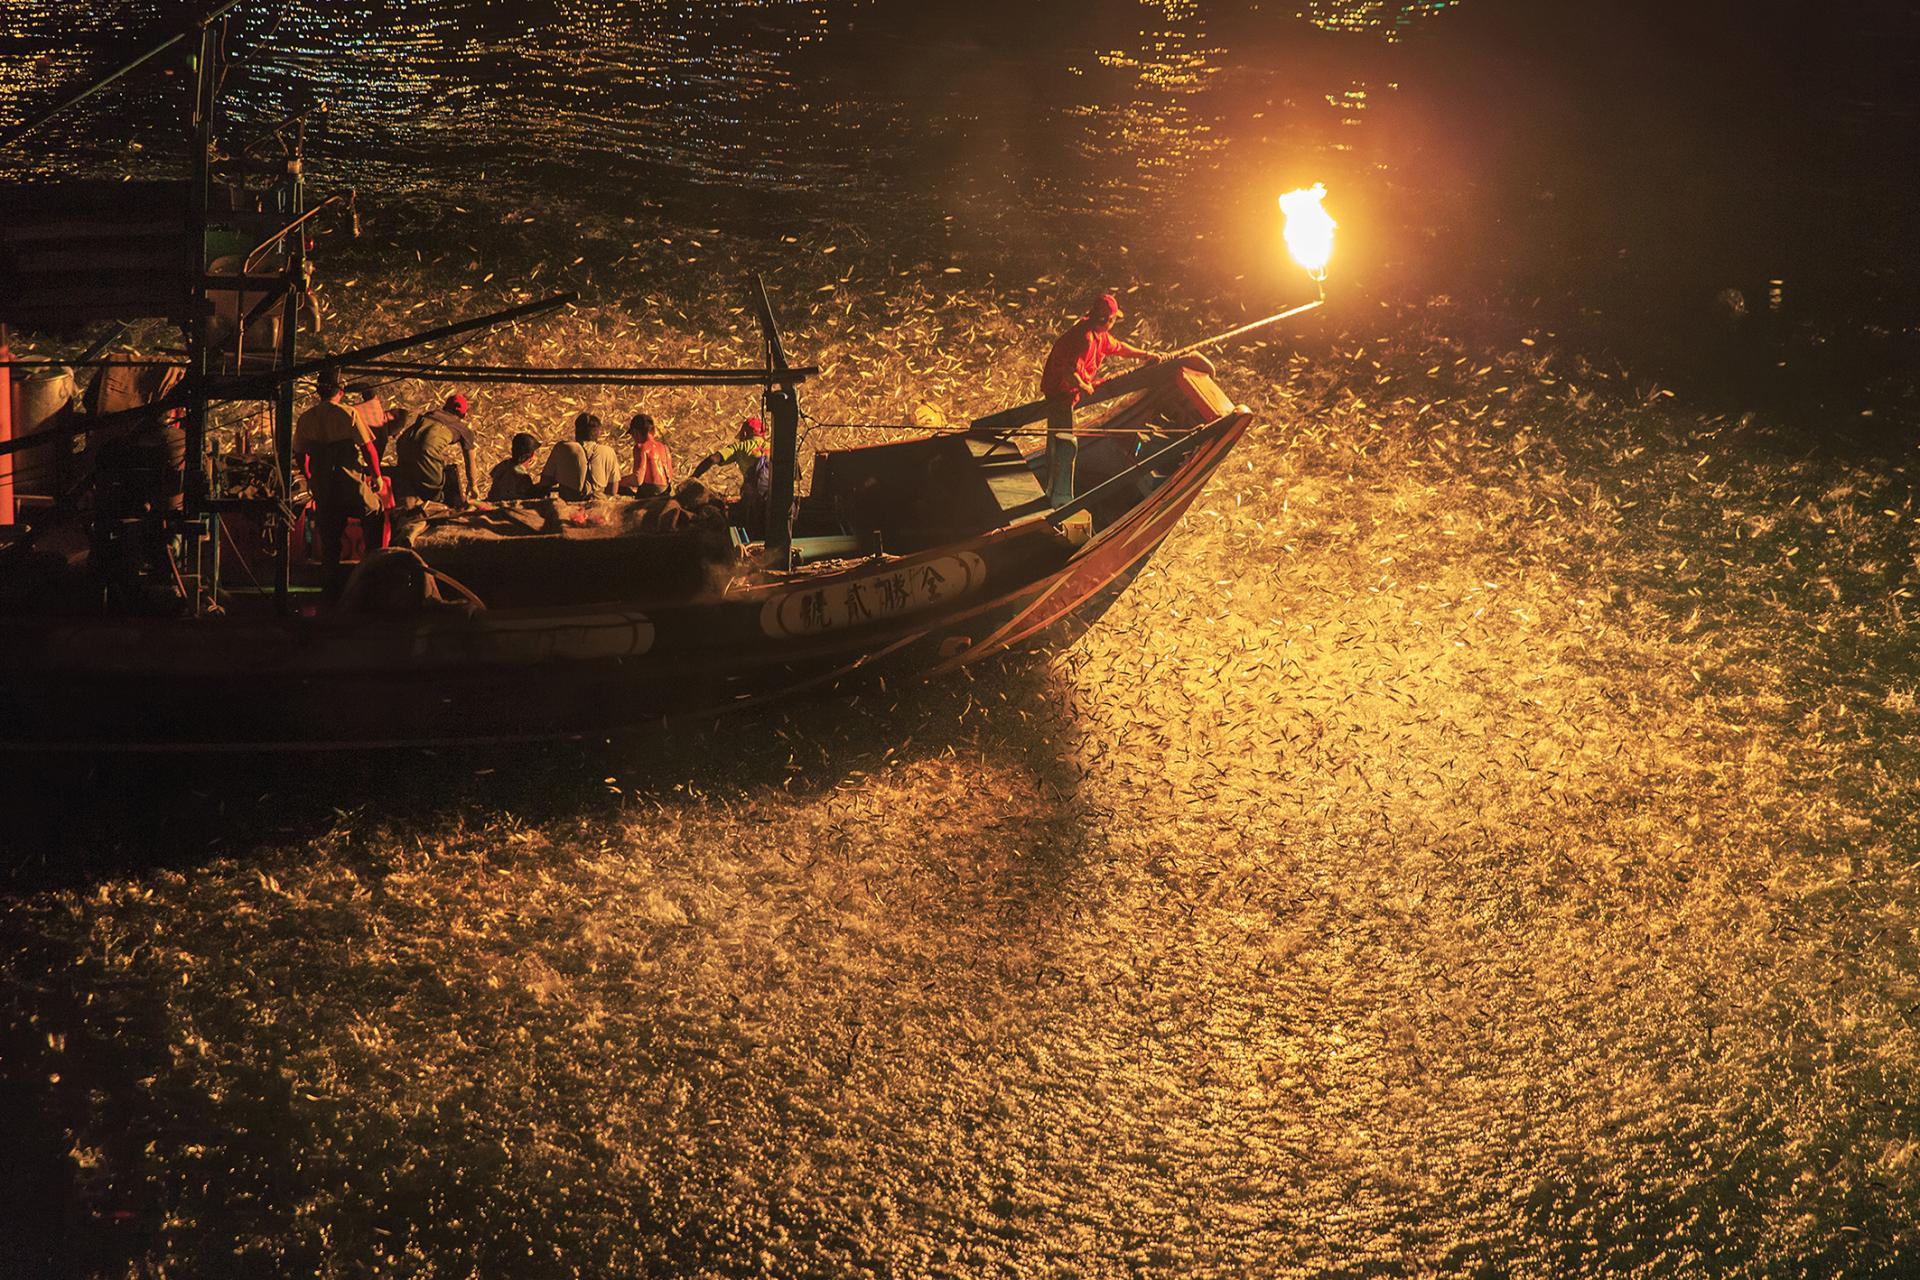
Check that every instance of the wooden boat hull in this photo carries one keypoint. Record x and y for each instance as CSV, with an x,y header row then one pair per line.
x,y
500,675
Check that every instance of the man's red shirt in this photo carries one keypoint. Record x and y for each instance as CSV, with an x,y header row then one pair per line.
x,y
1082,350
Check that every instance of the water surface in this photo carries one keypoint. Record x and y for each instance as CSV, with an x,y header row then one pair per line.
x,y
1482,843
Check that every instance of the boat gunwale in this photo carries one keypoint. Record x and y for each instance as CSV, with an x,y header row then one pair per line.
x,y
1147,524
226,629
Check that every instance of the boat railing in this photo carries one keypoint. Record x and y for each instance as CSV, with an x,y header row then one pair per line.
x,y
1022,415
1168,454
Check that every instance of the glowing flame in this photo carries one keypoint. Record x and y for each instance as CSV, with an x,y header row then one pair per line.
x,y
1309,229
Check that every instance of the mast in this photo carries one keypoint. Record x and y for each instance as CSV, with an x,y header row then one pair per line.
x,y
283,402
783,406
199,306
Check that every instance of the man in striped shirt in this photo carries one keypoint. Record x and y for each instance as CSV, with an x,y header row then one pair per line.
x,y
752,452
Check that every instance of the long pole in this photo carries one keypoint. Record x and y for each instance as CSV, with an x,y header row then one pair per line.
x,y
295,267
363,354
1246,329
692,376
1033,411
398,370
198,310
95,363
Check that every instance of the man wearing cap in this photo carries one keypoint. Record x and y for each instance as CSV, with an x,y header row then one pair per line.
x,y
427,463
426,466
342,467
1072,371
752,452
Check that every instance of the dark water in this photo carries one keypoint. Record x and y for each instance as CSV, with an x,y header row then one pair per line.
x,y
1625,165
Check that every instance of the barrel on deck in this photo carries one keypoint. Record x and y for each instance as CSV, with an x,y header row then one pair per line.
x,y
42,401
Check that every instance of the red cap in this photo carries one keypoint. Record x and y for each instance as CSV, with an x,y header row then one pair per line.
x,y
1105,307
752,427
457,404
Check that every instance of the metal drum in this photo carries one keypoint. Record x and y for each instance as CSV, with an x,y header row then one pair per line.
x,y
44,398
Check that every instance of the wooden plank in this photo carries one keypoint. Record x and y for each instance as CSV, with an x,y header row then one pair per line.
x,y
1016,491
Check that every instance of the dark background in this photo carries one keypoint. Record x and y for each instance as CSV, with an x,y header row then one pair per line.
x,y
1616,168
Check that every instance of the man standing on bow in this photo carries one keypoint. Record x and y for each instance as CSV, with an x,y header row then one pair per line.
x,y
1072,371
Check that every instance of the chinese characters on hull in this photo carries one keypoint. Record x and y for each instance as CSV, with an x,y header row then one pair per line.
x,y
870,598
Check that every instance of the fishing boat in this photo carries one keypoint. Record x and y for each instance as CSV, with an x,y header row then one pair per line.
x,y
963,559
902,560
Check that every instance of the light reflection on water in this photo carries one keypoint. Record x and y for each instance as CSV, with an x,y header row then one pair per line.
x,y
1334,1038
1001,112
633,99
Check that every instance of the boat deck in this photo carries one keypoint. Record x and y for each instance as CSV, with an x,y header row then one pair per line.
x,y
1016,491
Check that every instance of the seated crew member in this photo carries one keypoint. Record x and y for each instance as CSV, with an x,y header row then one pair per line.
x,y
512,477
342,466
427,454
456,410
753,454
1072,371
452,419
582,468
652,464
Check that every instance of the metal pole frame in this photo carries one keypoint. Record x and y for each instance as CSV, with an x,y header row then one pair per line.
x,y
783,406
198,306
296,260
